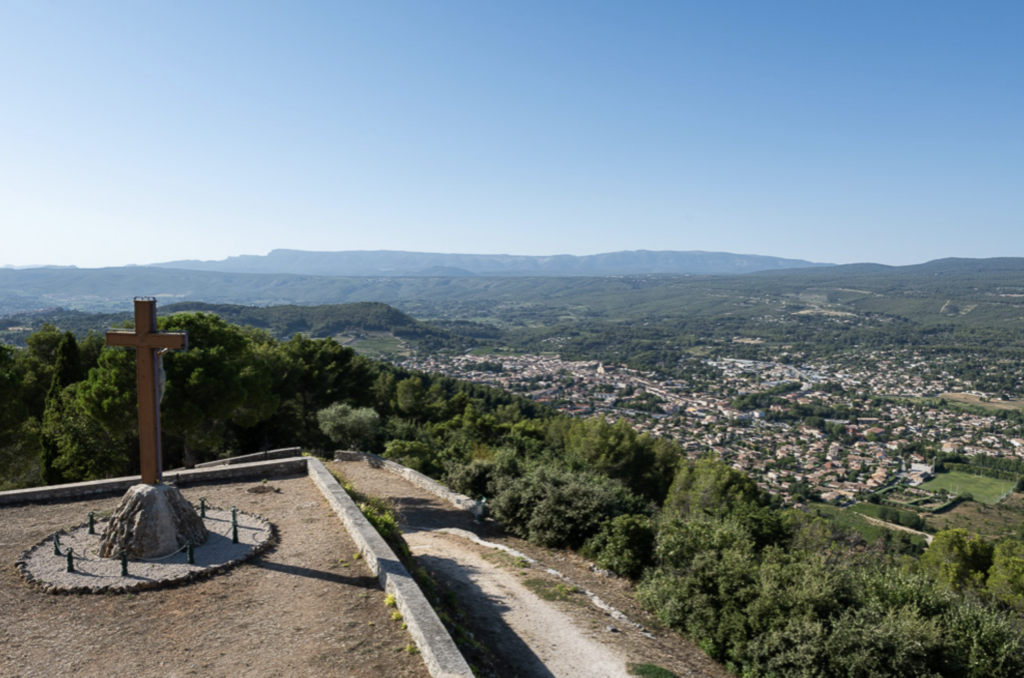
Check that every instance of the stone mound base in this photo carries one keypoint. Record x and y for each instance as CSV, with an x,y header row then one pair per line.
x,y
152,521
39,566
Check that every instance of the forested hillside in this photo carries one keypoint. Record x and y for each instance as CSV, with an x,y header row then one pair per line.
x,y
282,322
766,589
954,293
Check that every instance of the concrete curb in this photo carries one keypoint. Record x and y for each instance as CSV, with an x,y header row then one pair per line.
x,y
440,654
74,491
415,477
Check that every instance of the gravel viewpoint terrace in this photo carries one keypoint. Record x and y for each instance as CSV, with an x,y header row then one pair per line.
x,y
283,614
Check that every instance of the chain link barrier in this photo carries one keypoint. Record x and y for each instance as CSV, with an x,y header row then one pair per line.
x,y
189,547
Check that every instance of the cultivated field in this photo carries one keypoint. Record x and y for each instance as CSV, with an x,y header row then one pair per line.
x,y
985,490
914,501
974,400
376,345
877,510
984,519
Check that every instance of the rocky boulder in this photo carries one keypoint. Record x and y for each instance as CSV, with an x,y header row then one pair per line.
x,y
150,522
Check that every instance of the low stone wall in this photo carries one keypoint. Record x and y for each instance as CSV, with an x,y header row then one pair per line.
x,y
415,477
282,453
77,491
442,657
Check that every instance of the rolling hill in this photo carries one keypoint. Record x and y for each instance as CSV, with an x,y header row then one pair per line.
x,y
952,291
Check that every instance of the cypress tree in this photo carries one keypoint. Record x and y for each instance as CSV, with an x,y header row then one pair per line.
x,y
67,370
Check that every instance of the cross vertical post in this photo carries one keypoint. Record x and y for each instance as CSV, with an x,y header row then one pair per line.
x,y
147,343
149,408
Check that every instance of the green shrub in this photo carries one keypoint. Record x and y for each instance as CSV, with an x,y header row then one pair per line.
x,y
384,522
710,485
559,508
958,559
624,545
571,512
981,642
472,479
352,428
411,453
681,541
896,642
853,642
707,580
641,462
662,592
817,612
1006,576
889,588
378,512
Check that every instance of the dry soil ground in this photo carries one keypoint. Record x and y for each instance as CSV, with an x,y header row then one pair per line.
x,y
304,608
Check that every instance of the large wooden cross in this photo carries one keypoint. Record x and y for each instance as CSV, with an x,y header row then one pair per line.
x,y
147,342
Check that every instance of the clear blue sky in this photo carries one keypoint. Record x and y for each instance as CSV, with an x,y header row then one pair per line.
x,y
137,132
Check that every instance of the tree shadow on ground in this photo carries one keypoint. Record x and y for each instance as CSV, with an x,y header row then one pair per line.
x,y
359,582
416,513
486,619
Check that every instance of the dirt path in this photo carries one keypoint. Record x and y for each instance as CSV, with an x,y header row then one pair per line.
x,y
533,621
893,526
512,620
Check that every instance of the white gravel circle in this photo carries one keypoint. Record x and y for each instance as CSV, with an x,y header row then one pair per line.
x,y
93,574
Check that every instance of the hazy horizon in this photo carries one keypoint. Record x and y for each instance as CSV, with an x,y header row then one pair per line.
x,y
555,254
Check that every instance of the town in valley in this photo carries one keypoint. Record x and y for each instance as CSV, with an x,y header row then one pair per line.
x,y
835,430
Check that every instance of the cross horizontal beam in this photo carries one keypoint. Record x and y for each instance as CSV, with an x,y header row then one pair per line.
x,y
150,340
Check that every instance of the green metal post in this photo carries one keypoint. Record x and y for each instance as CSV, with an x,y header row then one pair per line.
x,y
92,523
124,563
71,559
56,544
202,507
480,511
234,525
190,552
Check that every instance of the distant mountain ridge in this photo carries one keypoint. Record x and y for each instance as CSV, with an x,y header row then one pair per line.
x,y
425,264
982,291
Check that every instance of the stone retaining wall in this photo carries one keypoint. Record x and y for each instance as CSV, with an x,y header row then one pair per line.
x,y
76,491
442,657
